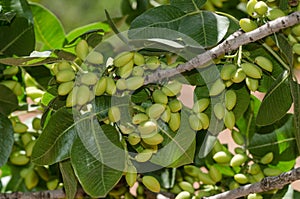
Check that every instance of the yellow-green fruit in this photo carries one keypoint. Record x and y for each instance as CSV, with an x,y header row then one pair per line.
x,y
64,65
250,7
247,25
240,178
100,86
172,88
166,115
254,196
191,170
155,111
144,156
138,71
24,172
65,88
31,179
215,174
266,159
252,84
174,122
82,95
219,110
152,63
65,76
151,183
82,49
29,147
229,119
71,99
230,99
42,172
296,48
123,58
217,87
134,138
95,58
183,195
159,97
204,120
186,186
89,78
14,86
140,190
252,70
261,8
26,138
153,140
126,128
19,158
254,169
114,114
110,86
206,179
126,70
200,105
238,76
227,70
139,118
272,171
195,122
233,185
176,189
20,127
275,13
222,157
264,63
121,84
36,123
296,30
175,105
259,176
11,71
133,83
138,59
238,160
52,184
131,175
237,137
148,127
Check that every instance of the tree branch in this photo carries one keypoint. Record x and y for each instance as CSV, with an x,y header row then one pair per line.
x,y
267,184
233,42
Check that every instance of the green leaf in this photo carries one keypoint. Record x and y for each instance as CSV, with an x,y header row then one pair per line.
x,y
6,138
243,100
284,47
211,28
69,178
96,178
295,88
41,74
54,144
276,103
7,16
188,6
178,148
280,140
19,34
8,100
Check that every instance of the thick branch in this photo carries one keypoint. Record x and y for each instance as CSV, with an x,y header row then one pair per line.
x,y
233,42
267,184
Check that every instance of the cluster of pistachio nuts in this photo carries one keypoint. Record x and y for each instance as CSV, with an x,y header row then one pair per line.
x,y
20,156
10,82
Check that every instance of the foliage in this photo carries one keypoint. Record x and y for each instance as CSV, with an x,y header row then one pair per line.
x,y
103,129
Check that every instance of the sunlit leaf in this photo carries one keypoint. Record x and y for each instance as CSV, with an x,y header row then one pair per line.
x,y
8,100
6,138
69,178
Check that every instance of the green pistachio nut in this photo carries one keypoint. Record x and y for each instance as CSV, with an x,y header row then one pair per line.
x,y
217,87
227,70
254,169
65,88
183,195
42,172
134,83
89,78
11,71
195,122
222,157
175,105
138,59
252,84
123,58
250,7
275,13
206,179
296,30
29,147
230,99
200,105
64,65
233,185
156,139
186,186
155,111
174,122
166,115
114,114
19,158
259,176
71,99
65,76
14,86
296,48
152,62
131,175
215,174
26,138
159,97
254,196
252,70
151,183
126,70
20,127
134,139
36,123
82,49
191,170
172,89
219,110
247,25
100,86
138,71
52,184
144,156
82,95
238,76
264,63
139,118
238,160
204,120
241,178
268,158
272,171
111,87
147,128
121,84
261,8
229,119
95,57
237,137
31,179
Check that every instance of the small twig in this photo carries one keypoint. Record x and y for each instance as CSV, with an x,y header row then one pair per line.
x,y
233,42
267,184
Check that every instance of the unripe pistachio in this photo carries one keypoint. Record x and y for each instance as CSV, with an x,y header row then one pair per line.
x,y
31,179
20,127
26,138
65,88
217,88
42,172
251,70
230,99
172,89
176,189
191,170
296,30
100,86
219,110
11,71
222,157
14,86
82,49
215,174
65,76
64,65
200,105
123,58
275,13
89,78
264,63
254,196
166,115
240,178
95,58
268,158
36,123
144,156
204,120
259,176
229,119
138,71
19,158
272,171
159,97
237,137
233,185
153,140
114,114
174,122
134,83
72,99
261,8
138,59
296,48
238,160
227,71
195,122
151,183
254,169
206,179
252,84
147,128
186,186
134,138
52,184
239,150
152,62
183,195
126,70
247,25
121,84
139,118
238,76
155,111
131,175
82,95
250,7
110,86
29,147
175,105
